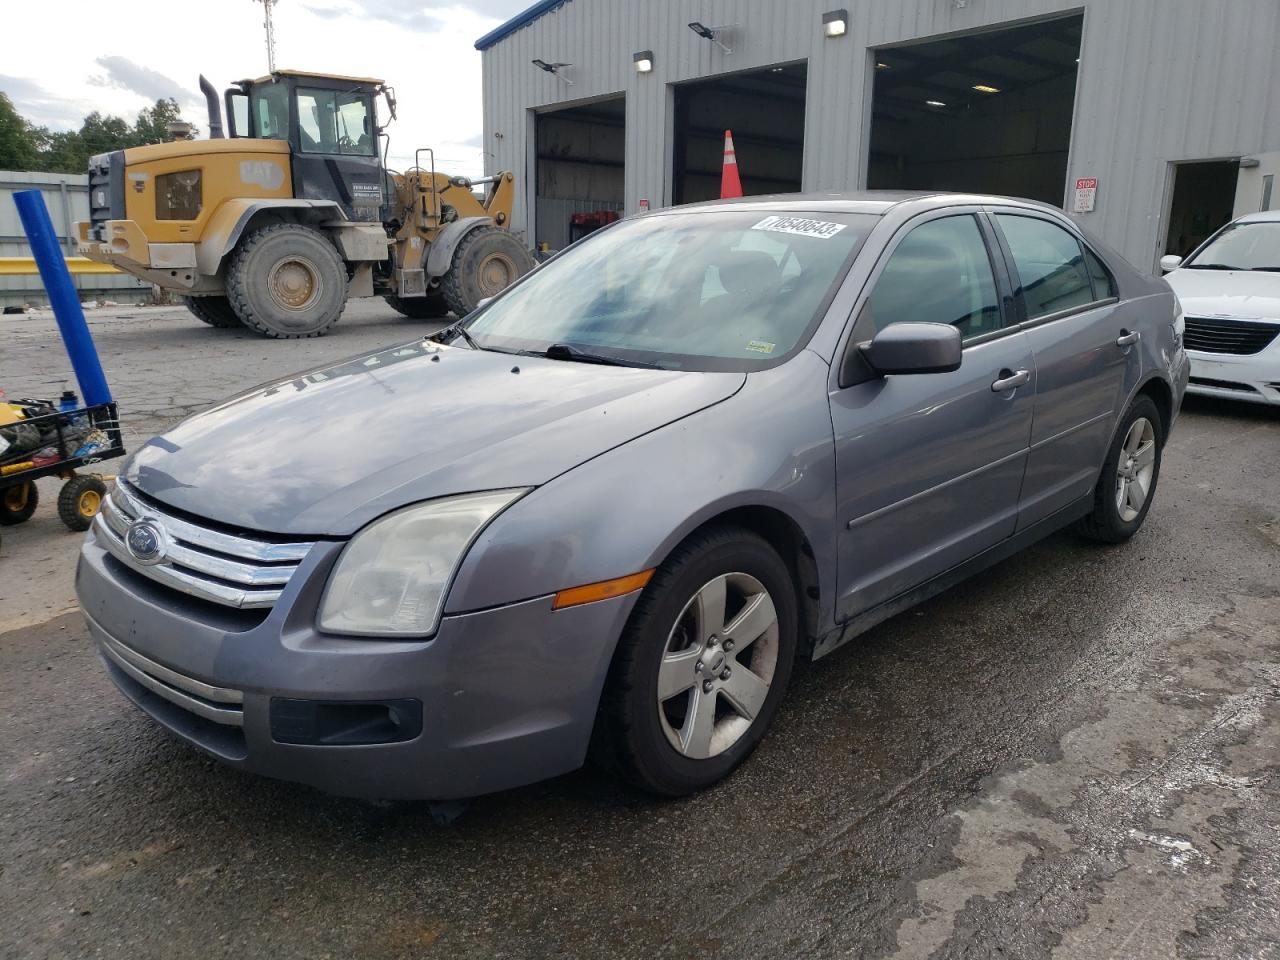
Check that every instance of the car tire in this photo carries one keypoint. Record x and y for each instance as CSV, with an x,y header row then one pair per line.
x,y
430,307
287,281
661,741
18,503
1127,485
215,311
486,262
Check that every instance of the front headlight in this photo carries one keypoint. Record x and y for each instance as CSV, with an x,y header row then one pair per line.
x,y
392,577
1179,325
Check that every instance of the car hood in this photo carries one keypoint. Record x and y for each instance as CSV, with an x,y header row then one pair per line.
x,y
1247,294
322,453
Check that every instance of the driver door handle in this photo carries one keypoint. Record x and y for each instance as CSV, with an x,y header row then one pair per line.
x,y
1127,339
1011,382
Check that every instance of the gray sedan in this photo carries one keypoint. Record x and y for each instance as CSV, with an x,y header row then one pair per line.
x,y
606,513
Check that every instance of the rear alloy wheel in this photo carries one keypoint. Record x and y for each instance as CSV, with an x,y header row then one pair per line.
x,y
287,281
215,311
702,665
487,261
1127,485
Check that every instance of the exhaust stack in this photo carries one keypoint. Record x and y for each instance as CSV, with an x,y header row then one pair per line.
x,y
215,109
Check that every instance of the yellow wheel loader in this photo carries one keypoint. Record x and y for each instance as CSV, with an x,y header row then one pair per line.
x,y
274,226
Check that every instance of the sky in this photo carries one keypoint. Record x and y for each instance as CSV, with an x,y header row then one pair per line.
x,y
158,48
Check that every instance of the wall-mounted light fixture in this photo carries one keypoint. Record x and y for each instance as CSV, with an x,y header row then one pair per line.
x,y
643,61
835,23
714,34
938,104
553,69
985,88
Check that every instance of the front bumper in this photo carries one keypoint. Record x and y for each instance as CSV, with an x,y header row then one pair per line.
x,y
508,695
1254,378
123,244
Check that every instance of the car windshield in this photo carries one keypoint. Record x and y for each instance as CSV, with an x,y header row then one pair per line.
x,y
722,290
1242,246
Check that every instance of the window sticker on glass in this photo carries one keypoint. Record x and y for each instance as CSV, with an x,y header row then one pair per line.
x,y
800,226
761,346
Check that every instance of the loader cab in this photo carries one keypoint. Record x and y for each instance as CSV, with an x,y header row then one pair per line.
x,y
331,126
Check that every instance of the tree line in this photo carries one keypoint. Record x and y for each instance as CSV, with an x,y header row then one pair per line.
x,y
25,146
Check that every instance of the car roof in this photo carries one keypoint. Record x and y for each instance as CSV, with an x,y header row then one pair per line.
x,y
1266,216
875,202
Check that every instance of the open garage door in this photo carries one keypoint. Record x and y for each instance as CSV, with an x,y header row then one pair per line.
x,y
764,109
986,112
581,153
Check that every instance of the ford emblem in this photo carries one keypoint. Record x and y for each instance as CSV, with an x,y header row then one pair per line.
x,y
145,540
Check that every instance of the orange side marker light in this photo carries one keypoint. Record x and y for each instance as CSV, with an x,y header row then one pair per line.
x,y
604,590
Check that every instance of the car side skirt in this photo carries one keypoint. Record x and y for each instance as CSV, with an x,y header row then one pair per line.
x,y
864,621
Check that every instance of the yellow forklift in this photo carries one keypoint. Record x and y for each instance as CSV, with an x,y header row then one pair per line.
x,y
273,224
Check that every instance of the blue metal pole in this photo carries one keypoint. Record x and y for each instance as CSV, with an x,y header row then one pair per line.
x,y
63,296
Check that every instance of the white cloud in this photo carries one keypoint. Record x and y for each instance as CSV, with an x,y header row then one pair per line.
x,y
123,74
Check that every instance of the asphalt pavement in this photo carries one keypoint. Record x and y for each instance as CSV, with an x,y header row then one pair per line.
x,y
1074,755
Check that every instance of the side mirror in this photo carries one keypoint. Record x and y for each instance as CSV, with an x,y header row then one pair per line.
x,y
1170,263
914,348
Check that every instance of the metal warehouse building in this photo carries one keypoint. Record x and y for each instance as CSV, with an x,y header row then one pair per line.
x,y
1152,121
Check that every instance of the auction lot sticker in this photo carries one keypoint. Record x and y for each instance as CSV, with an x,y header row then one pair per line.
x,y
800,226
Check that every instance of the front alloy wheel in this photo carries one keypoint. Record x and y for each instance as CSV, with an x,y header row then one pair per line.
x,y
719,662
702,665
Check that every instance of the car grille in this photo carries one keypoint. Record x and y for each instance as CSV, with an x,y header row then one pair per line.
x,y
1240,337
106,190
226,568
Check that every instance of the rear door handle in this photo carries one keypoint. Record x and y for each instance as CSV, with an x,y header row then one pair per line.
x,y
1128,339
1012,382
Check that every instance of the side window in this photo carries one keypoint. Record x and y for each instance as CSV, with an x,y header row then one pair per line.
x,y
271,111
1050,265
939,273
1104,284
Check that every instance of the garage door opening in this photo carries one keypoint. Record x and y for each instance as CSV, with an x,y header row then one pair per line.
x,y
764,109
580,163
1203,199
986,112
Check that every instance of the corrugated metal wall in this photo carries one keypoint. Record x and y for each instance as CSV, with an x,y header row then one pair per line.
x,y
67,197
1160,80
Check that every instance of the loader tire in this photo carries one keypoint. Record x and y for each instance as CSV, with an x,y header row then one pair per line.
x,y
215,311
287,281
487,261
430,307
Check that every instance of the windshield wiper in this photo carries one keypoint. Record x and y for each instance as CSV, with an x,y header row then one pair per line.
x,y
567,351
1211,266
460,330
1267,269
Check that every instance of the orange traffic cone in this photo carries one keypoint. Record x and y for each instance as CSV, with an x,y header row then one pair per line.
x,y
730,184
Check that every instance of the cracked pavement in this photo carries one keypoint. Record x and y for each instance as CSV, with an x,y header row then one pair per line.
x,y
1074,755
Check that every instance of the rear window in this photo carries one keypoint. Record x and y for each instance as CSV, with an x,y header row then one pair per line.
x,y
1050,264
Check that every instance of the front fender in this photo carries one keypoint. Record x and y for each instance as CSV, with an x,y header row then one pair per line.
x,y
769,445
440,257
233,217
